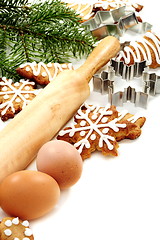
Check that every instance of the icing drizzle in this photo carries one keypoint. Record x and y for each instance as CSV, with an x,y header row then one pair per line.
x,y
139,50
115,4
80,8
100,125
37,67
20,94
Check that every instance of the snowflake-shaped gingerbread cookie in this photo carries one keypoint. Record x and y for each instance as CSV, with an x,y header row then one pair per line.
x,y
100,128
15,96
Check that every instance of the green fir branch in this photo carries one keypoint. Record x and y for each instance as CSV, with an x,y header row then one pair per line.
x,y
44,31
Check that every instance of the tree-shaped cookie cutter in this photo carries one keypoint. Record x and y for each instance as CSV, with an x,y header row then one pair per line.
x,y
114,22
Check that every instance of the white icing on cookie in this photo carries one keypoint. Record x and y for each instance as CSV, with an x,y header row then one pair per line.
x,y
93,137
15,221
80,8
116,4
105,130
16,84
96,126
44,74
104,120
94,117
36,68
82,133
25,223
28,232
4,89
6,96
7,232
49,65
26,95
17,94
25,231
134,118
138,49
27,69
82,123
8,223
18,100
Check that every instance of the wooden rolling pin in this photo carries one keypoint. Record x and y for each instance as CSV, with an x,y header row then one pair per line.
x,y
39,122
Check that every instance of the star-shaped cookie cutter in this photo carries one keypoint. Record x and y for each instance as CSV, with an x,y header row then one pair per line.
x,y
151,80
139,98
104,83
128,72
114,22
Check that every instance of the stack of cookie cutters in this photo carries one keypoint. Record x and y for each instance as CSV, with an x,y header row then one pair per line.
x,y
104,82
114,22
150,79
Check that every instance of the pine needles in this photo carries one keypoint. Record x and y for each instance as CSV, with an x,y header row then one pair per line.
x,y
43,31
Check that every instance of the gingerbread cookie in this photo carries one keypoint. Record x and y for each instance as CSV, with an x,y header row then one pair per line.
x,y
42,73
87,11
107,5
100,128
15,229
84,10
147,47
15,96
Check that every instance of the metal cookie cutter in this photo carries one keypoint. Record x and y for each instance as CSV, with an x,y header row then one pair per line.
x,y
151,80
104,83
141,27
128,72
114,22
125,71
140,99
104,80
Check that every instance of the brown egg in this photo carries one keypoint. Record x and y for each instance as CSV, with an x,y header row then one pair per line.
x,y
60,160
28,194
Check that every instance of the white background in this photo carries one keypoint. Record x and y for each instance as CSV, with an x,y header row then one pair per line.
x,y
116,197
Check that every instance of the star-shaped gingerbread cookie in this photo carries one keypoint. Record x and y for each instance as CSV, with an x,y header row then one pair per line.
x,y
100,128
42,73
